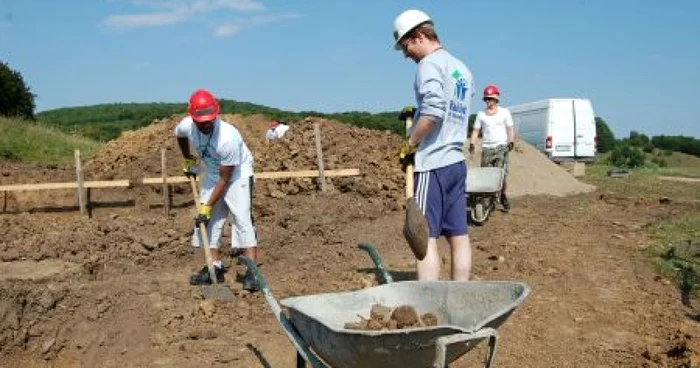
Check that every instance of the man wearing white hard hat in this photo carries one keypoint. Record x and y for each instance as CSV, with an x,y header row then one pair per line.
x,y
444,89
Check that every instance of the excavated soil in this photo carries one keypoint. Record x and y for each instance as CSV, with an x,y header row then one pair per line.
x,y
382,317
110,290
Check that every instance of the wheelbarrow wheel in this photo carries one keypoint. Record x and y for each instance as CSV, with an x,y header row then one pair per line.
x,y
479,213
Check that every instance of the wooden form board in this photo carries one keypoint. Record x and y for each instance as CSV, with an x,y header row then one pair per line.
x,y
173,180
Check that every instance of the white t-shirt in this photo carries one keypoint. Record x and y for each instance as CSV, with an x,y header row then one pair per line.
x,y
276,132
223,146
493,127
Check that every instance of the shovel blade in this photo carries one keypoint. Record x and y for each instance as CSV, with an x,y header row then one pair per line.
x,y
217,292
415,229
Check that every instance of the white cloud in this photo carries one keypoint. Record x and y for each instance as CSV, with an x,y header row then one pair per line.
x,y
272,18
233,28
227,30
176,11
144,20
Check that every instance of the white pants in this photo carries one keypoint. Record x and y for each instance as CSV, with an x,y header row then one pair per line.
x,y
235,201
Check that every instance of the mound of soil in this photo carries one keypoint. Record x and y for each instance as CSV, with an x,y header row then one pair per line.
x,y
137,154
532,173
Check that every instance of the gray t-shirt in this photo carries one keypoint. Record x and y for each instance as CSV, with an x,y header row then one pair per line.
x,y
444,89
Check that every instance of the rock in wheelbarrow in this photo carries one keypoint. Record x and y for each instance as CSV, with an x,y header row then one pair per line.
x,y
386,318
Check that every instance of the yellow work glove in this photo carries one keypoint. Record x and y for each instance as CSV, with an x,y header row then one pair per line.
x,y
190,167
203,214
406,112
407,154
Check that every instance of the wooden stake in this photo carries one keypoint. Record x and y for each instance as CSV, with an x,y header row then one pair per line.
x,y
81,189
166,188
319,155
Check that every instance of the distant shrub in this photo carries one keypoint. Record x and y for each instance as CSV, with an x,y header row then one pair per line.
x,y
625,155
659,161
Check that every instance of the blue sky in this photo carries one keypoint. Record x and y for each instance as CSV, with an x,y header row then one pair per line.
x,y
636,60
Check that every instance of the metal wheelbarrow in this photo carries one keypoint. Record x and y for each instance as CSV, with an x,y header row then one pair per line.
x,y
468,313
483,188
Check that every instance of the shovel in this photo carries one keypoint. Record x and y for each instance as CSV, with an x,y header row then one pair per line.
x,y
215,290
415,227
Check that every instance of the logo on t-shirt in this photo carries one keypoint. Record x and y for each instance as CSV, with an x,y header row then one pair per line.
x,y
458,106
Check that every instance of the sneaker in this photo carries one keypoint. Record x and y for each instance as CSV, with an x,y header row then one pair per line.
x,y
202,277
504,202
250,283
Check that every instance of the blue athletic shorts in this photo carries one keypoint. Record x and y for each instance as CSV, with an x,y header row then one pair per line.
x,y
441,195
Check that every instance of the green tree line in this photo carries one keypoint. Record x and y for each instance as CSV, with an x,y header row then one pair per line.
x,y
106,121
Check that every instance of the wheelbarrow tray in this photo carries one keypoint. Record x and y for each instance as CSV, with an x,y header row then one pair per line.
x,y
484,179
461,307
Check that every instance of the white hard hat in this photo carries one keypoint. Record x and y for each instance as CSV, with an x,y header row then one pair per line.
x,y
406,22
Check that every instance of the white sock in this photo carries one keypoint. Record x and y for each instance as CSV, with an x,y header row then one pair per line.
x,y
218,264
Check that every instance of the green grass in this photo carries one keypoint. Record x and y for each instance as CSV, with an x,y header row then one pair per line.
x,y
645,182
24,141
671,252
673,235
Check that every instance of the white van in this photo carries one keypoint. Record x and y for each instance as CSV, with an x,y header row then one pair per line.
x,y
562,128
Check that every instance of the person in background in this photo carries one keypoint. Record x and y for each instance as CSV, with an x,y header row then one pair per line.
x,y
276,130
443,89
227,187
497,136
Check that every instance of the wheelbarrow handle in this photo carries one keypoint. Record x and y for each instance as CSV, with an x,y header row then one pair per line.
x,y
441,344
299,343
386,277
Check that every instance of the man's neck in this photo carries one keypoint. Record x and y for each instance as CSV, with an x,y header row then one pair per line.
x,y
434,46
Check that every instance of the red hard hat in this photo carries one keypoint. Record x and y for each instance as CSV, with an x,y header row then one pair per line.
x,y
492,92
203,106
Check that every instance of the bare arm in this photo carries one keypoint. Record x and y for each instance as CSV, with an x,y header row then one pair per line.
x,y
423,127
475,135
184,145
511,134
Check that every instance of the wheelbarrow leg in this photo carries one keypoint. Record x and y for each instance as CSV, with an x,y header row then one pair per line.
x,y
442,342
385,277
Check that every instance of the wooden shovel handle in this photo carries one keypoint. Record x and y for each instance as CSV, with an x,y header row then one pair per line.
x,y
205,238
409,167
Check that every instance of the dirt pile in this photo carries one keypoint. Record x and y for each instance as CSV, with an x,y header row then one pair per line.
x,y
532,173
382,317
138,153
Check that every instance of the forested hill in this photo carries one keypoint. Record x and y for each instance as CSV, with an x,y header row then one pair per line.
x,y
106,121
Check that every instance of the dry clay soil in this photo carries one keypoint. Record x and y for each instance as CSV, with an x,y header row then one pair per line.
x,y
111,290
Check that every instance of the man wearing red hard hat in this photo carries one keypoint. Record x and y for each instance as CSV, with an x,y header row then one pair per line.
x,y
227,187
498,135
